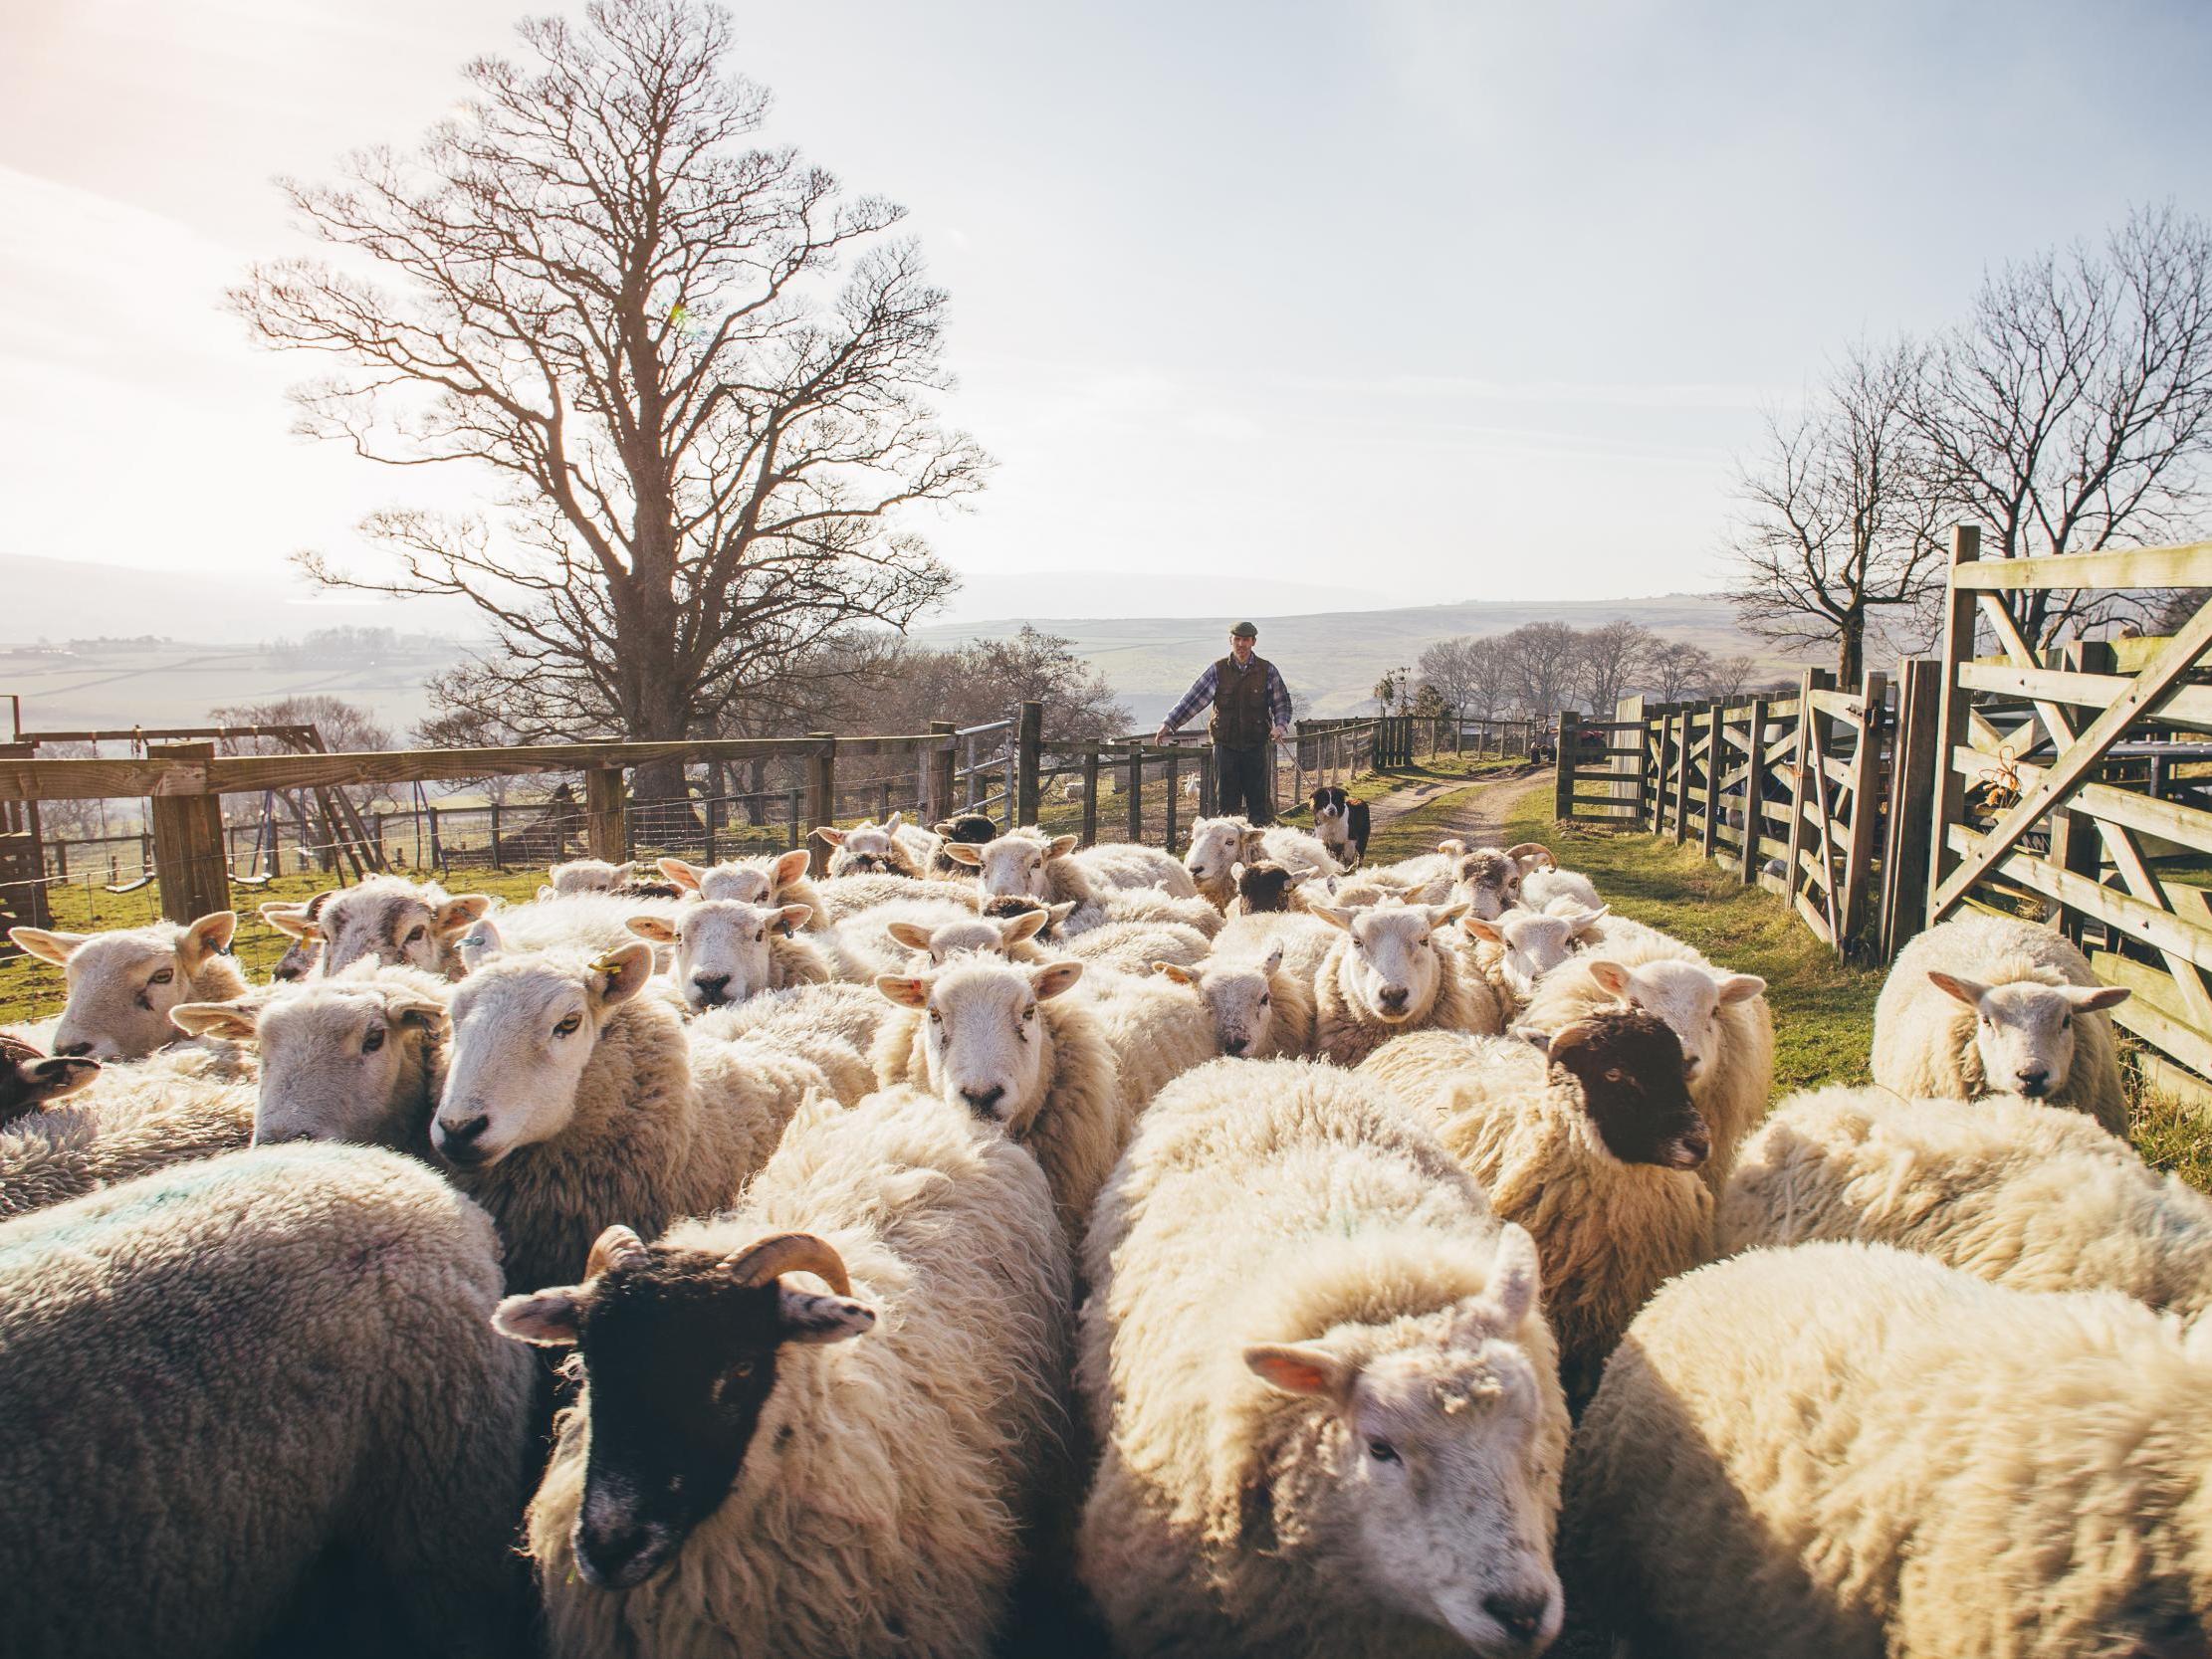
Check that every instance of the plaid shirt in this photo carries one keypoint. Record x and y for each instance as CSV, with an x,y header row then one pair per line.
x,y
1202,692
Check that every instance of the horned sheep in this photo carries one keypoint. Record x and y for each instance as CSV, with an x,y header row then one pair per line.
x,y
870,1342
1328,1401
2004,1188
1588,1142
1984,1004
1719,1018
226,1376
1004,1041
124,983
1542,880
1843,1448
1388,973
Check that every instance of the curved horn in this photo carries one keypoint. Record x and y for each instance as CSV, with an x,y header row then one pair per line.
x,y
617,1247
1532,849
780,1253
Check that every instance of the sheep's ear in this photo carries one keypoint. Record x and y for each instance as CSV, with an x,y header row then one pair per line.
x,y
1483,930
892,823
1587,919
1966,990
545,891
964,852
64,1074
908,990
1452,847
658,929
1062,845
831,833
456,914
2090,998
1175,971
1050,979
1741,988
214,1019
1025,926
805,1317
550,1318
208,936
1612,978
289,919
46,946
1332,915
1060,911
1312,1371
1273,964
685,876
1515,1276
621,974
1443,915
911,935
480,945
625,870
1534,1036
789,868
424,1013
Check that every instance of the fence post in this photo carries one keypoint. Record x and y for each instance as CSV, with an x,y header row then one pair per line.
x,y
1755,792
792,814
1090,795
1174,760
1717,752
604,828
1029,738
188,842
1866,768
942,765
821,799
1563,784
1912,776
1807,756
1135,787
1952,723
1685,721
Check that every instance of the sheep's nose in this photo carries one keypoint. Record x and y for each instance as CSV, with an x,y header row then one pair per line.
x,y
2033,1078
1395,998
1691,1151
1520,1614
1235,1045
71,1051
983,1101
458,1141
712,988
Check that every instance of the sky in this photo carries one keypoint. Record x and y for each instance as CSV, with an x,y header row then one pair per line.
x,y
1422,300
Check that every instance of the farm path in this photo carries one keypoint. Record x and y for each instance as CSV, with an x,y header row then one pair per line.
x,y
1479,821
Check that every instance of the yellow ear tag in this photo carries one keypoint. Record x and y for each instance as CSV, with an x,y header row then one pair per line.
x,y
607,966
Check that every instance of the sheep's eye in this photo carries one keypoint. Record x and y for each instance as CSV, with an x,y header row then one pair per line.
x,y
1382,1451
1987,1021
1263,1002
567,1027
372,1039
419,930
936,1018
2065,1022
760,933
164,977
743,1368
1029,1013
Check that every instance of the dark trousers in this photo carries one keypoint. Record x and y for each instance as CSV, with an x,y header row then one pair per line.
x,y
1245,781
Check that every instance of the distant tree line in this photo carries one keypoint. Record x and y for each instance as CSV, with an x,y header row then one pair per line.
x,y
1540,667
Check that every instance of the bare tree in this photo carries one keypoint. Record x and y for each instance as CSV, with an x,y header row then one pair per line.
x,y
1730,677
341,727
1840,523
1607,661
1678,670
1540,660
700,370
1469,673
2074,409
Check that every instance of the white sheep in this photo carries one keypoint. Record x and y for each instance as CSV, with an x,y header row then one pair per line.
x,y
1026,864
880,940
1542,881
1984,1004
1306,941
1846,1449
1004,1041
2022,1196
572,1102
1328,1402
596,875
590,922
781,879
1488,878
1589,1144
835,1026
123,983
357,1058
1388,973
1218,845
727,952
891,848
385,916
221,1378
868,1346
1720,1019
1130,866
126,1120
1133,946
1518,949
845,897
1159,1026
1261,1011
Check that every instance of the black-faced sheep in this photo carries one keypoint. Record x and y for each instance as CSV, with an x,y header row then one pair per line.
x,y
126,1120
973,829
1329,1404
29,1078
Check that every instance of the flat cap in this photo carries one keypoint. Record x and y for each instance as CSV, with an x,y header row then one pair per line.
x,y
1243,630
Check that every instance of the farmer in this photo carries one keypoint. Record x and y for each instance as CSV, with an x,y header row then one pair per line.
x,y
1252,709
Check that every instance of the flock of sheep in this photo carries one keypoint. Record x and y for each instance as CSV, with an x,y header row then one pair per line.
x,y
730,1261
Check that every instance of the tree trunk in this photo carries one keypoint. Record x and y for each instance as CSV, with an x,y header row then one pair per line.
x,y
1851,649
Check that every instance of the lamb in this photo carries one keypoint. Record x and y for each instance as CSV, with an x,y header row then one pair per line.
x,y
1259,1011
1218,845
1929,1467
1329,1404
1004,1041
123,983
869,1344
886,849
1263,886
595,874
126,1120
781,879
1984,1004
30,1078
1588,1142
727,952
1542,880
572,1101
2013,1192
394,919
976,829
1720,1019
1518,949
223,1376
1387,973
359,1058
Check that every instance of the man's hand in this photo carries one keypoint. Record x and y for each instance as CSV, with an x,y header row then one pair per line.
x,y
1281,734
1163,738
